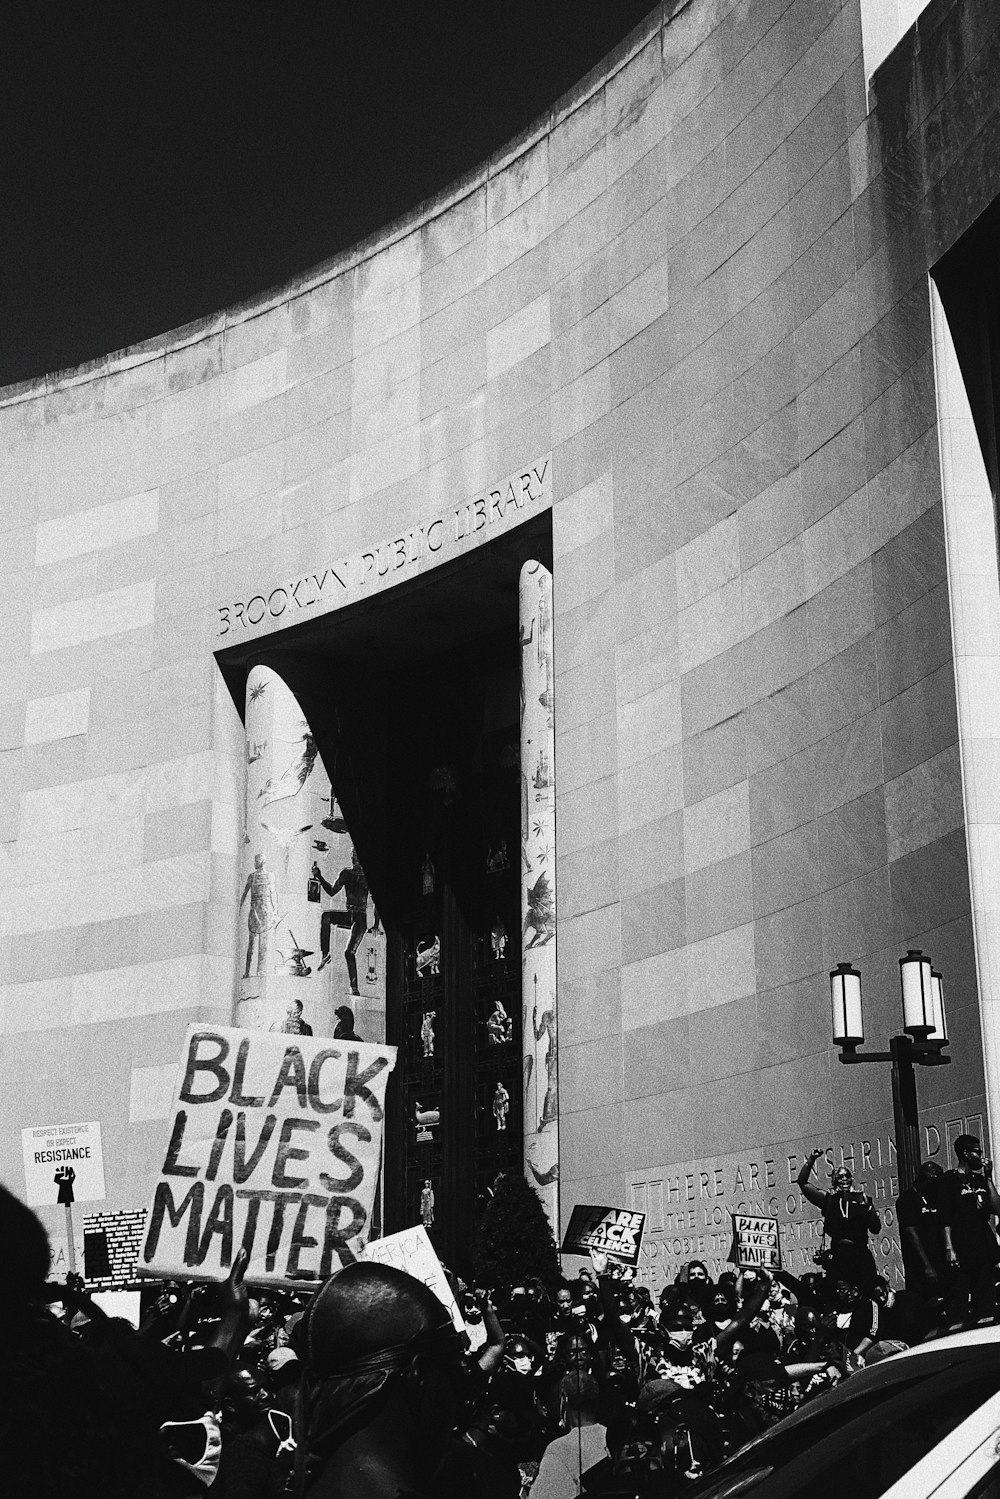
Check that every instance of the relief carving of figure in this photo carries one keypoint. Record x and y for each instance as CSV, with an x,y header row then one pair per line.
x,y
540,917
262,913
501,1106
428,957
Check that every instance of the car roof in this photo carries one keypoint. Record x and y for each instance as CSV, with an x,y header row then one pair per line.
x,y
876,1376
974,1337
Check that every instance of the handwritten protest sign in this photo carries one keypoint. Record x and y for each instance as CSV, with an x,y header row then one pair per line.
x,y
614,1231
755,1243
412,1251
274,1145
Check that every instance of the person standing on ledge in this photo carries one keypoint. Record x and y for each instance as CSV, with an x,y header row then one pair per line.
x,y
921,1232
848,1218
969,1200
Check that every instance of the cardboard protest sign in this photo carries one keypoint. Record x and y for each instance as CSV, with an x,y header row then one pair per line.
x,y
412,1251
756,1243
63,1163
274,1146
614,1231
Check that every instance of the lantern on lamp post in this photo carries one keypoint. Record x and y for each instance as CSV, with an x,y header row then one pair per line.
x,y
845,995
922,1043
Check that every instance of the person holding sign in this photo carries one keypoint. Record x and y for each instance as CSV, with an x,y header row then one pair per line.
x,y
848,1218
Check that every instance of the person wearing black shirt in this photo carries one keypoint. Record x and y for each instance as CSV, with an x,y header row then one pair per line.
x,y
921,1231
969,1201
848,1218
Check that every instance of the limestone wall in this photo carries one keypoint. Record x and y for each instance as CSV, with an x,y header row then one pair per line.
x,y
689,313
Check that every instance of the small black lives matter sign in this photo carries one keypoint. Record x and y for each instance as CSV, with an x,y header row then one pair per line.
x,y
612,1231
756,1243
275,1144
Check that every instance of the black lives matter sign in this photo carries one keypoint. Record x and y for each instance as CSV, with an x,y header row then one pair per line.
x,y
756,1243
613,1231
275,1144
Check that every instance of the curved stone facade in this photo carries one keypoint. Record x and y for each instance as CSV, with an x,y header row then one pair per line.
x,y
689,315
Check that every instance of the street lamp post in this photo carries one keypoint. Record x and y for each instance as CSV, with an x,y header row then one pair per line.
x,y
922,1043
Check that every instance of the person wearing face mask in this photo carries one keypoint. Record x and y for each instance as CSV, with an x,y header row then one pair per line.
x,y
848,1218
524,1315
522,1357
518,1390
719,1312
676,1357
698,1281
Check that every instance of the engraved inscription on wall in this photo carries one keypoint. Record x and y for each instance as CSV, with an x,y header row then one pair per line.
x,y
331,584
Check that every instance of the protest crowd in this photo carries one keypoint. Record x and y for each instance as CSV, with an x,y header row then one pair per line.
x,y
587,1383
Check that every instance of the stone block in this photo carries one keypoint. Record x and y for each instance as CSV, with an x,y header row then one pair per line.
x,y
718,897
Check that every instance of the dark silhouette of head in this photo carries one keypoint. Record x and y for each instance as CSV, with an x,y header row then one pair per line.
x,y
62,1432
24,1250
969,1151
579,1398
344,1029
384,1372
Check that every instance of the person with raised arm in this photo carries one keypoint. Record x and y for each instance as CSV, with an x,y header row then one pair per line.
x,y
848,1218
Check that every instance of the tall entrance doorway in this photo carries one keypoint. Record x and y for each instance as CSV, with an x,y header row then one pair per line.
x,y
413,698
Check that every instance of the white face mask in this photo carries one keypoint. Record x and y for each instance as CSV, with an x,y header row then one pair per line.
x,y
522,1365
205,1467
681,1336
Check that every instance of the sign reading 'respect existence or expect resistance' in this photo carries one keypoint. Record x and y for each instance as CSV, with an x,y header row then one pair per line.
x,y
274,1145
613,1231
756,1244
63,1164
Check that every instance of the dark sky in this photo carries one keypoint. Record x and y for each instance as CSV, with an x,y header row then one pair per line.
x,y
159,161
